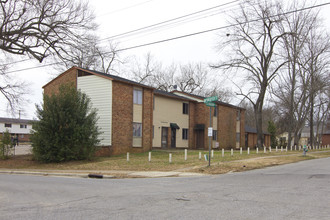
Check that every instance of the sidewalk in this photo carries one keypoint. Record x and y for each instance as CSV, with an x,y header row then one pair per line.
x,y
106,174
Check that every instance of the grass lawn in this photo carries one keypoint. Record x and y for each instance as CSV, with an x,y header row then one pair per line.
x,y
160,161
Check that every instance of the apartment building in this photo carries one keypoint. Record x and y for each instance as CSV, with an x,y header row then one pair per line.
x,y
136,118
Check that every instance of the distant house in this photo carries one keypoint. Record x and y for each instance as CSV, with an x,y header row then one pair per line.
x,y
19,129
251,137
305,137
134,117
326,138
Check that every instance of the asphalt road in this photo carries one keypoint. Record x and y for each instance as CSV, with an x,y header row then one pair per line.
x,y
294,191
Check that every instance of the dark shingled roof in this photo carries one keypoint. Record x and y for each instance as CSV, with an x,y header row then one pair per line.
x,y
118,78
169,94
202,97
15,120
249,129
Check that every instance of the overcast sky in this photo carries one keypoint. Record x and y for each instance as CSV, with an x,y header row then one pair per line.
x,y
116,17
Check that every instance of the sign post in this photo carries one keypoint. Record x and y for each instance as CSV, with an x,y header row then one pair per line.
x,y
210,102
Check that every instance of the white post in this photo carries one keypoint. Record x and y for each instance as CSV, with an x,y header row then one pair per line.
x,y
248,151
223,152
149,156
295,147
232,152
240,150
257,150
270,149
185,154
212,153
281,148
200,155
265,149
291,148
276,149
299,147
286,149
170,158
127,156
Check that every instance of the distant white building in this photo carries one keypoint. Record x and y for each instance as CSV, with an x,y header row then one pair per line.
x,y
20,129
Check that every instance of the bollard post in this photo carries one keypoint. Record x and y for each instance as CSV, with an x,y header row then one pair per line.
x,y
212,153
265,150
257,150
185,154
286,149
127,157
281,148
248,151
290,148
276,149
232,152
200,155
270,149
295,147
149,157
170,158
223,152
240,150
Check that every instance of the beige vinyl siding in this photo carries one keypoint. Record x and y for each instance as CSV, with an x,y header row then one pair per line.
x,y
166,111
99,90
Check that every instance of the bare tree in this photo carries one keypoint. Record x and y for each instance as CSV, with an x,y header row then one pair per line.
x,y
38,29
88,53
316,63
192,78
290,89
253,42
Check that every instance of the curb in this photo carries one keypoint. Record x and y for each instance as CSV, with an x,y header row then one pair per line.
x,y
58,174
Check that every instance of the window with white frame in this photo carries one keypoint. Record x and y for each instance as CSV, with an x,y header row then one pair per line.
x,y
7,125
22,126
137,129
137,96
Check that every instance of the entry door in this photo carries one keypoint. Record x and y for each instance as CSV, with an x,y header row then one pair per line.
x,y
173,138
200,139
164,137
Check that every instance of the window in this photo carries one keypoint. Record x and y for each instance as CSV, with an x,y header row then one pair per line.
x,y
137,96
215,135
23,126
238,115
238,137
185,108
184,134
215,112
137,129
7,125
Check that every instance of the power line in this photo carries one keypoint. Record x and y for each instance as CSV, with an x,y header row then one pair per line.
x,y
184,36
150,26
167,21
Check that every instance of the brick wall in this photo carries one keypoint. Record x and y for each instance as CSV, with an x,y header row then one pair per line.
x,y
242,142
192,122
325,139
147,116
227,127
122,117
203,117
68,77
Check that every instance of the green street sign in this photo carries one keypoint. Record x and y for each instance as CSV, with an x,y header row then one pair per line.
x,y
210,104
211,99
